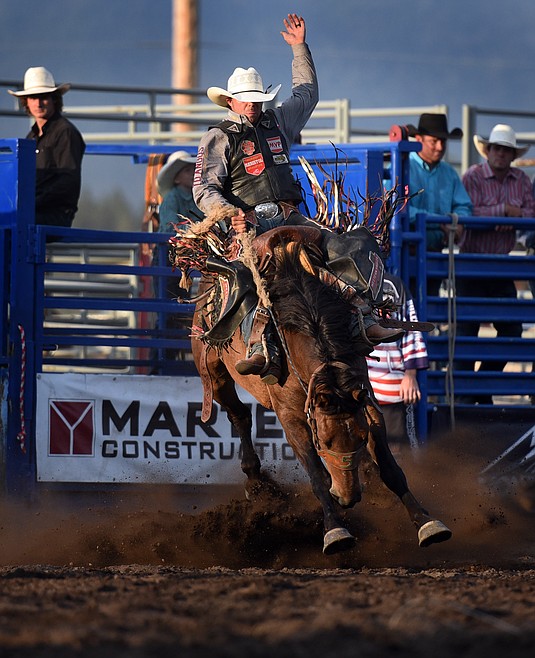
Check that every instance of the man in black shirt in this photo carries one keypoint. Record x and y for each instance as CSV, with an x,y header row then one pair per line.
x,y
59,148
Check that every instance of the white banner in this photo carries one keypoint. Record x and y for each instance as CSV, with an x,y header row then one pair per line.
x,y
137,428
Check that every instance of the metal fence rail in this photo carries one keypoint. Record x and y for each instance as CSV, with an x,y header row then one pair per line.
x,y
153,115
159,119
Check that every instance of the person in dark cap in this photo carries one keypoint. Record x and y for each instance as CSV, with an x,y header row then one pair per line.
x,y
443,192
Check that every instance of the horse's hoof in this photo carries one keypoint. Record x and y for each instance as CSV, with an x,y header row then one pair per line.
x,y
337,540
433,532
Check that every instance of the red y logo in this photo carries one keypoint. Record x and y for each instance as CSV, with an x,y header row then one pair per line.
x,y
71,427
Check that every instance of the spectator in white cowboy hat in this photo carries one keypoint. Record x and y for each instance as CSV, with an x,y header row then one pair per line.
x,y
175,182
497,189
59,148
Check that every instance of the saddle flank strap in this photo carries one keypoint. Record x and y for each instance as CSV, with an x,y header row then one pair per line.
x,y
208,391
260,321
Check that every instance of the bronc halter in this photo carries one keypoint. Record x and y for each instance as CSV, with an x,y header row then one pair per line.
x,y
343,461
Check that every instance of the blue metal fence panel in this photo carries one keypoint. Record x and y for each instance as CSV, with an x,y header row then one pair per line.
x,y
448,348
31,345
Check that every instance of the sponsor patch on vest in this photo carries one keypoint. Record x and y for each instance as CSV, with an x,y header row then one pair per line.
x,y
254,164
280,159
248,147
197,177
275,144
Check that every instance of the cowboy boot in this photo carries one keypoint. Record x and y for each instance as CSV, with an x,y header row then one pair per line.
x,y
263,355
375,333
255,360
272,373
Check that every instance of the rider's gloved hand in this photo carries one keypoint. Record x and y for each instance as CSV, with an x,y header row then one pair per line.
x,y
238,222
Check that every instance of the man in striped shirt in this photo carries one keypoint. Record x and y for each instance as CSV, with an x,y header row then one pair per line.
x,y
392,368
497,190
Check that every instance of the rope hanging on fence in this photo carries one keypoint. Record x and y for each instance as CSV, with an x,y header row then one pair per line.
x,y
452,318
21,436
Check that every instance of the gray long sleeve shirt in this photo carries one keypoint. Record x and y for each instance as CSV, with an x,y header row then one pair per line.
x,y
292,115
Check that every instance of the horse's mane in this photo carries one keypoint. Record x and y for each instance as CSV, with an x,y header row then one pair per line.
x,y
305,304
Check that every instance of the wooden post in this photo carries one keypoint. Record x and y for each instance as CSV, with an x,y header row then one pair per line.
x,y
184,52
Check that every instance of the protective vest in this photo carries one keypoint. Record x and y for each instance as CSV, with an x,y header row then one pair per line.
x,y
259,164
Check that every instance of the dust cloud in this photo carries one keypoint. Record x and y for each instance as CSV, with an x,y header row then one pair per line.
x,y
282,526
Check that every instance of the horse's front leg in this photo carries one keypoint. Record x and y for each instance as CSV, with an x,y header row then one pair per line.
x,y
336,536
430,531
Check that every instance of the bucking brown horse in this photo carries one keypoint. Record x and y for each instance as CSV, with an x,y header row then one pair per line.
x,y
324,400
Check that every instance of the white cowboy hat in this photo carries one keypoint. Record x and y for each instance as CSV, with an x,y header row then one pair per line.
x,y
243,85
37,80
503,135
175,162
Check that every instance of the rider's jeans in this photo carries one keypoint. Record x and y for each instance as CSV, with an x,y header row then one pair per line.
x,y
265,225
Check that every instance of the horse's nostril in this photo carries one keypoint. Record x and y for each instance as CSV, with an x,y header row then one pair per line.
x,y
346,501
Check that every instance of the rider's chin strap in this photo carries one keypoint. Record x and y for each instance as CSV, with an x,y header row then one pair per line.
x,y
452,316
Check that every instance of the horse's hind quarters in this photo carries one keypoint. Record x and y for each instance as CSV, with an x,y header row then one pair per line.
x,y
433,532
337,540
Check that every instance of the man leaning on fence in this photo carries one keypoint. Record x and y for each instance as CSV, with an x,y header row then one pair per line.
x,y
497,189
442,190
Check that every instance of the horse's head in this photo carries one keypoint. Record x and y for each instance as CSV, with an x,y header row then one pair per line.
x,y
324,351
340,426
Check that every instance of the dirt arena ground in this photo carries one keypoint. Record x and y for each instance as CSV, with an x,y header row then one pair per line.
x,y
148,575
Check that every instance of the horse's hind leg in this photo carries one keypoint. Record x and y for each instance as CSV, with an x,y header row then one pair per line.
x,y
240,416
430,531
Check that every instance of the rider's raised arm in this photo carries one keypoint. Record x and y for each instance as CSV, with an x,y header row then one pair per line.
x,y
296,110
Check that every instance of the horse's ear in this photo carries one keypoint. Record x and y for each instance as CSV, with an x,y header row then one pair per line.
x,y
360,394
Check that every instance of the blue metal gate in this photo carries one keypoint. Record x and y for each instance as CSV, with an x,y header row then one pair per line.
x,y
44,280
40,282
